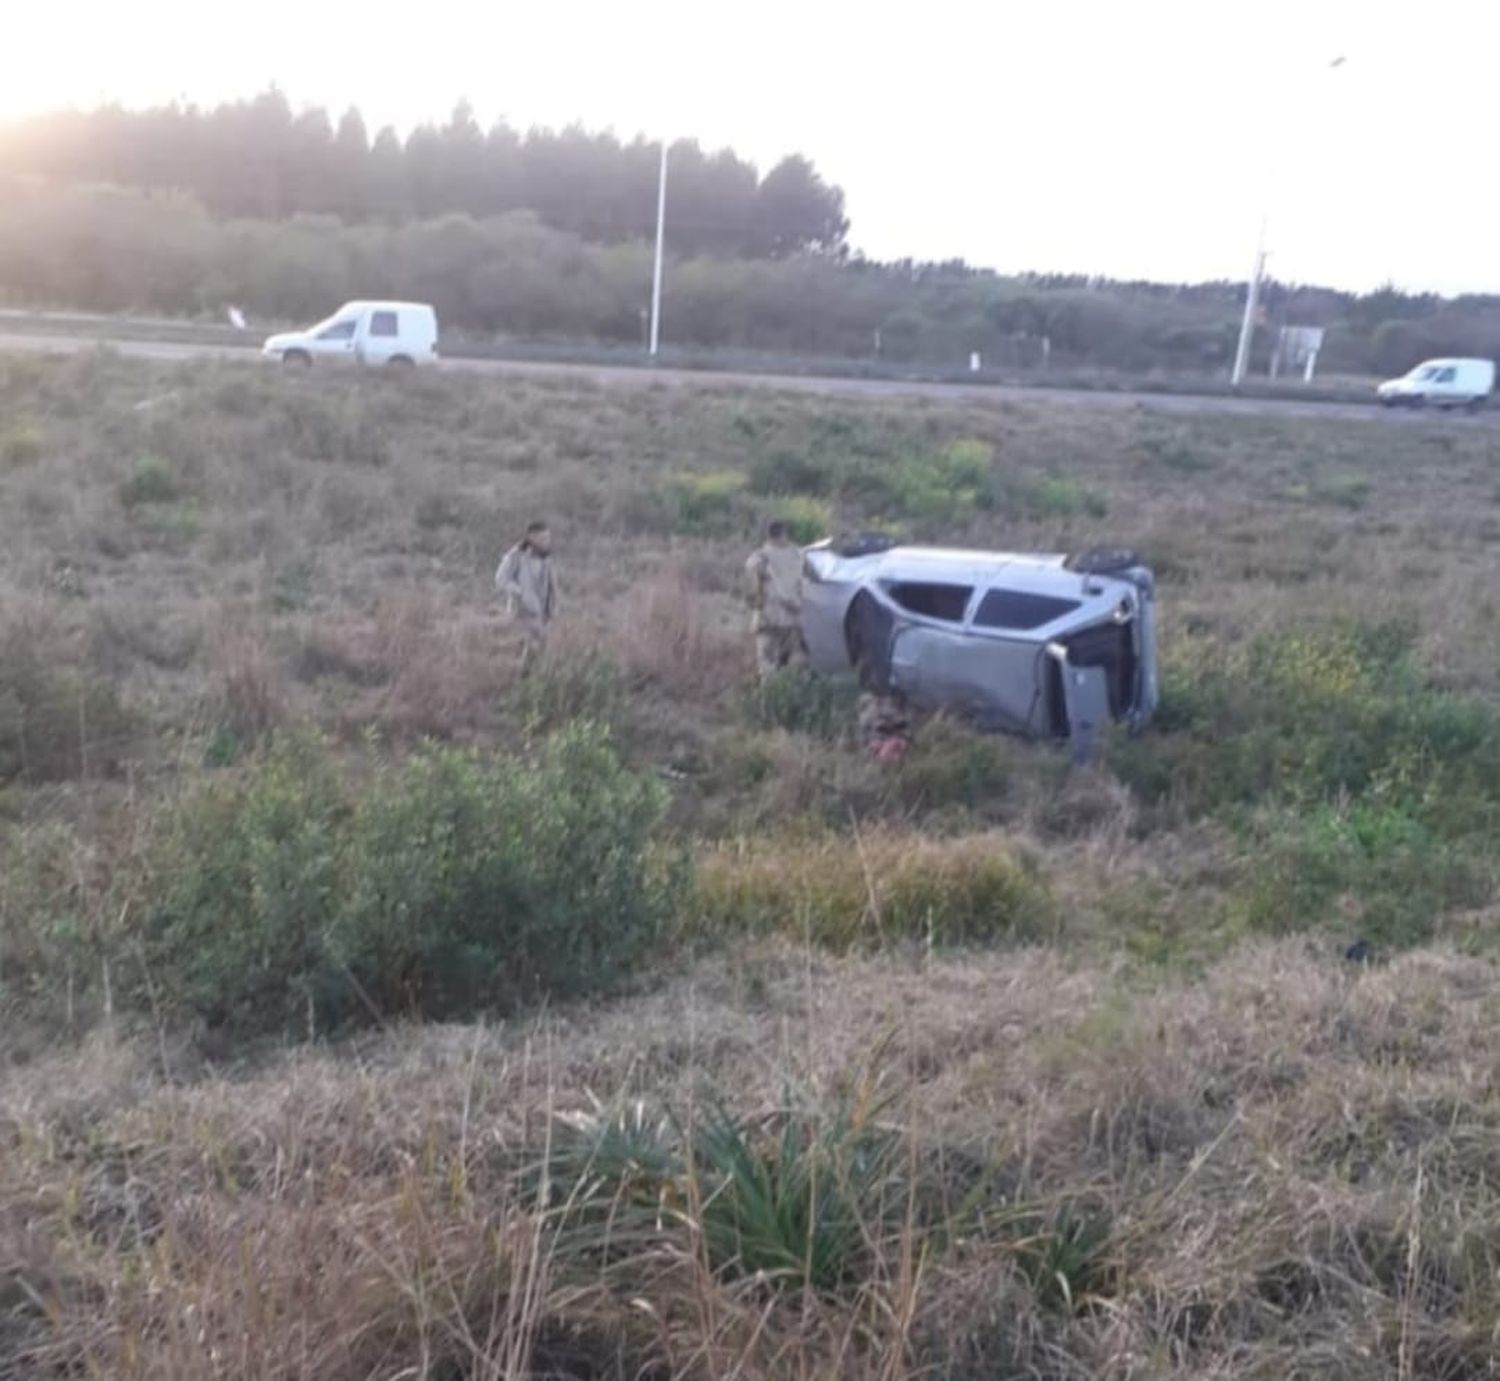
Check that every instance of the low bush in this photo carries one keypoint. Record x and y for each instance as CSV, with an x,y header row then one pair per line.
x,y
1384,874
950,764
1354,787
803,702
298,897
846,893
151,481
56,721
1302,718
568,684
711,503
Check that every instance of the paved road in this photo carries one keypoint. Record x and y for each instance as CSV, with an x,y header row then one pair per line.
x,y
799,383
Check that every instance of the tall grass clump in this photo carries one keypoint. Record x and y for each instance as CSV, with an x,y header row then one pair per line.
x,y
57,721
801,702
884,886
298,896
795,1199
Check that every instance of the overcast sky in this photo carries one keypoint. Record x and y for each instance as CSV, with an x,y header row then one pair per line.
x,y
1136,138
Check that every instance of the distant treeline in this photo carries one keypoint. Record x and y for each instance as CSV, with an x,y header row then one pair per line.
x,y
258,159
73,242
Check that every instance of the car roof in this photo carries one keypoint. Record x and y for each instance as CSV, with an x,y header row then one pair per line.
x,y
370,304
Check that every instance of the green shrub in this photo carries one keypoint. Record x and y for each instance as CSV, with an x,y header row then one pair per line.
x,y
803,702
565,686
708,504
1379,871
807,519
150,481
844,893
1042,497
296,896
790,472
1355,789
950,764
1344,491
929,490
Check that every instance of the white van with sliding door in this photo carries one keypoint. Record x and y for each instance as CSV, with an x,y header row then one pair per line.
x,y
398,334
1442,383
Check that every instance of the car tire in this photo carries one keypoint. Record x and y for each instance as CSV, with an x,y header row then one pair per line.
x,y
296,359
400,363
1103,560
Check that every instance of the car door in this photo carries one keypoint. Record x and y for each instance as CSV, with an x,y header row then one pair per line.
x,y
337,340
1443,387
382,336
928,622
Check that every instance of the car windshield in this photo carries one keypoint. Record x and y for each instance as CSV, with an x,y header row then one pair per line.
x,y
1425,372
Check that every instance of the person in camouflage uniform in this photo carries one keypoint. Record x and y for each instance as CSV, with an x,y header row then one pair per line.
x,y
773,590
525,578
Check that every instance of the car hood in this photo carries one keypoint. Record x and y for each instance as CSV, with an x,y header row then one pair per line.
x,y
282,340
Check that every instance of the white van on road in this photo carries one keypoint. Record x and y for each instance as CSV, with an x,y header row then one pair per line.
x,y
398,334
1443,383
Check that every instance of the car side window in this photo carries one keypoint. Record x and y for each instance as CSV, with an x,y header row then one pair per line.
x,y
383,324
932,600
1444,376
340,330
1020,610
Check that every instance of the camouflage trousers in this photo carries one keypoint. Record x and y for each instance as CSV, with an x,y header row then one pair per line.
x,y
533,642
777,649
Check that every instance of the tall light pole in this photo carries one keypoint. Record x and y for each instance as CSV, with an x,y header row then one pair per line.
x,y
1252,290
1252,299
661,227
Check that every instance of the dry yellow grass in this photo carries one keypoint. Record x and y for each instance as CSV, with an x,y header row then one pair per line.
x,y
1298,1157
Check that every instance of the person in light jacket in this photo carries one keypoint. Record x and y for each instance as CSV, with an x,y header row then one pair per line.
x,y
525,578
773,589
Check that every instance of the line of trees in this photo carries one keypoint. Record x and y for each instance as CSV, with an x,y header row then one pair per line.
x,y
259,159
110,249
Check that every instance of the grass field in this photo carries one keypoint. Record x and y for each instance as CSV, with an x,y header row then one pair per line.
x,y
366,1011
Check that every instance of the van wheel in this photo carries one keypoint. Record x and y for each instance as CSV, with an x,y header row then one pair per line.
x,y
400,362
297,359
1474,406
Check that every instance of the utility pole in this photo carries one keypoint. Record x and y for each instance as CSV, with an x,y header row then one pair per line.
x,y
1252,291
1252,298
661,226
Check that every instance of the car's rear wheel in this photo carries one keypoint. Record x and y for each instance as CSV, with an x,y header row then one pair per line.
x,y
401,363
296,359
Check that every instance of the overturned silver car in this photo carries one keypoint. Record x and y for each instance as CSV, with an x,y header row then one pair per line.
x,y
1045,646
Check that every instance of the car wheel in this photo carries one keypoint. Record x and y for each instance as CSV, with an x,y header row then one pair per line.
x,y
297,359
400,363
1474,406
1103,560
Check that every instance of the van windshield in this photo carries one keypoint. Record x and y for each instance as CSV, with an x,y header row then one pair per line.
x,y
1426,371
